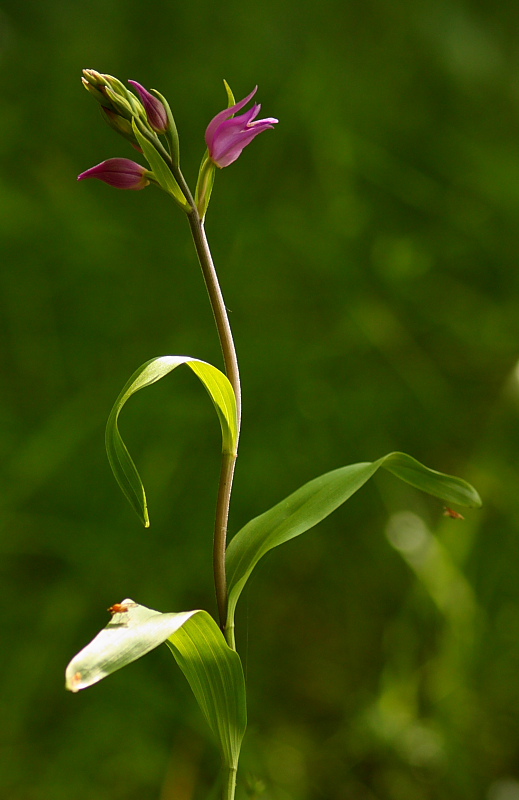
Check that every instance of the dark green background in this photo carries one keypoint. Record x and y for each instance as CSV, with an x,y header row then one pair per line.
x,y
368,249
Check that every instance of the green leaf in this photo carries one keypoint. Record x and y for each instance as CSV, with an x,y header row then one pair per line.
x,y
446,487
215,675
220,392
160,169
317,499
212,669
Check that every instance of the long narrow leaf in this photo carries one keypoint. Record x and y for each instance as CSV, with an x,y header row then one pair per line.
x,y
220,392
317,499
212,669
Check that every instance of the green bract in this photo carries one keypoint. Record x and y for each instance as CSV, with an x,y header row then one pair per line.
x,y
160,169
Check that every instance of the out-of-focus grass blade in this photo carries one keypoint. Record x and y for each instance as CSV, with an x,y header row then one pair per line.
x,y
211,667
220,392
317,499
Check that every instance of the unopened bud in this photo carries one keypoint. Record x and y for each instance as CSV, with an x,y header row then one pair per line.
x,y
98,92
95,78
120,90
120,104
120,125
112,94
155,111
119,172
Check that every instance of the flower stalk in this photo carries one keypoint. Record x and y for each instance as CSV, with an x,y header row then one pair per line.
x,y
143,120
233,373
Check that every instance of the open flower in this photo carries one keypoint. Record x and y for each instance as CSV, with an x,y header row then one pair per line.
x,y
119,172
226,136
155,111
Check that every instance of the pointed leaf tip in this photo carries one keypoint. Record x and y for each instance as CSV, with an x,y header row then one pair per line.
x,y
447,487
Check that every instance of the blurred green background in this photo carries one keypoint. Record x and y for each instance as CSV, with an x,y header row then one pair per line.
x,y
368,250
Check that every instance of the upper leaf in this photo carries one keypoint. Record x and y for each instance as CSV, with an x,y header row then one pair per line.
x,y
212,669
317,499
221,393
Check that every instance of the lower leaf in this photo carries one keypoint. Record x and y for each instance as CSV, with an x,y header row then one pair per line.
x,y
212,668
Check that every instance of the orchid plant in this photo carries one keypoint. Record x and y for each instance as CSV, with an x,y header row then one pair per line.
x,y
204,647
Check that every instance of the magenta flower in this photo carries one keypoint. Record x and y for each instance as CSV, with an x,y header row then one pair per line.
x,y
155,111
119,172
226,136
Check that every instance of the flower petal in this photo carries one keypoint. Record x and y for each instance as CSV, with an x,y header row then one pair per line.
x,y
225,114
233,139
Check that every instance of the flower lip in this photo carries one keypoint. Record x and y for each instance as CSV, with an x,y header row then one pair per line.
x,y
226,136
118,172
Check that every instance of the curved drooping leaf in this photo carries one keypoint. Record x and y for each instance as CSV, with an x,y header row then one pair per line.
x,y
317,499
212,669
220,392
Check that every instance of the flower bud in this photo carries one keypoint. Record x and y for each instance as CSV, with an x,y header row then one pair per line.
x,y
94,78
127,98
95,84
119,172
155,111
112,94
119,124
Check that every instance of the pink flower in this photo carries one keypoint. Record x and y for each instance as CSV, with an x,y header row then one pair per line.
x,y
155,111
226,136
119,172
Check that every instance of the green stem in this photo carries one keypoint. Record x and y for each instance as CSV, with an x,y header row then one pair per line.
x,y
231,367
217,304
229,783
230,358
220,538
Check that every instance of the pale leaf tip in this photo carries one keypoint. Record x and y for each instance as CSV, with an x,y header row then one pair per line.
x,y
74,682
